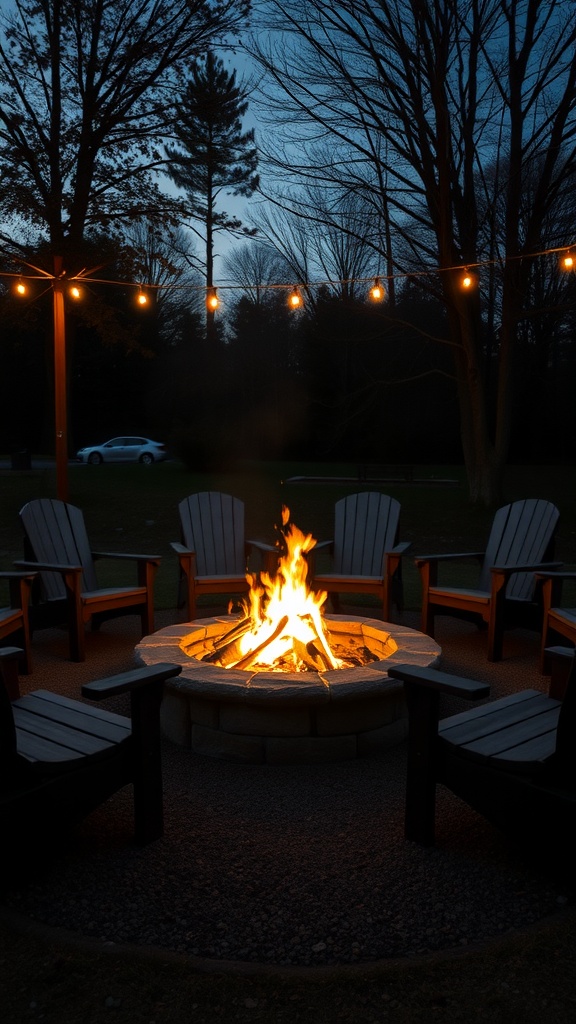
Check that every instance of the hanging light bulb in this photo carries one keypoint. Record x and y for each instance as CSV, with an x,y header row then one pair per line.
x,y
21,288
377,291
567,261
75,292
212,300
468,281
142,298
295,299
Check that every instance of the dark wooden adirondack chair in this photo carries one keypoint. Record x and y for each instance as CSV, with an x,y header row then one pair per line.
x,y
559,621
366,552
213,551
513,760
520,544
57,548
14,622
61,758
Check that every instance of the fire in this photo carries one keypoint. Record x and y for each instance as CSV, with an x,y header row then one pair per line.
x,y
282,628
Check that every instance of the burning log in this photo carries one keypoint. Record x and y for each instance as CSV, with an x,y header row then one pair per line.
x,y
237,630
325,652
285,611
248,660
227,648
310,656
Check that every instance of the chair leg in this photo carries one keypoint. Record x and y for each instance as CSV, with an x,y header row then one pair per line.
x,y
427,618
544,659
191,604
148,797
386,603
76,634
496,615
420,812
25,662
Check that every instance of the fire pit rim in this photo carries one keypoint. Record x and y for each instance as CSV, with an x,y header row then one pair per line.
x,y
211,682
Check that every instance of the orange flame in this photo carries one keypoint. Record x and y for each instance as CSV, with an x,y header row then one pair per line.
x,y
285,614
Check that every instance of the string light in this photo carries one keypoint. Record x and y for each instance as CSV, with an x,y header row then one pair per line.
x,y
468,280
75,292
377,292
295,299
212,300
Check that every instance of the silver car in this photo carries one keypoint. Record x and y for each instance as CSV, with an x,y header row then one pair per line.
x,y
124,449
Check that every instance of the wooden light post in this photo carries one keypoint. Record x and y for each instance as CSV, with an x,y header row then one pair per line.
x,y
60,385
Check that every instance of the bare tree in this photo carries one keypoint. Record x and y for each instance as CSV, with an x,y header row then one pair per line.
x,y
87,92
415,98
324,235
255,269
159,257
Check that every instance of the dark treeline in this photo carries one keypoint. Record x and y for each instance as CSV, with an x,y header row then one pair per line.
x,y
342,379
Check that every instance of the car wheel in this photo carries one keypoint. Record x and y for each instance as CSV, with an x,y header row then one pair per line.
x,y
147,459
94,459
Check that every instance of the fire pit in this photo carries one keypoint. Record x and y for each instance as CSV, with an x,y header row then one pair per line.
x,y
291,717
281,683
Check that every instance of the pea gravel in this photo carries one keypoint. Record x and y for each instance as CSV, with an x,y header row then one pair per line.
x,y
293,865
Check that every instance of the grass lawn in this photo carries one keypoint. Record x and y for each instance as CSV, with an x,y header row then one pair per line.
x,y
134,508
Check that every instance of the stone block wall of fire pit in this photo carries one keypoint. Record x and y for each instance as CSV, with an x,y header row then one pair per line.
x,y
286,718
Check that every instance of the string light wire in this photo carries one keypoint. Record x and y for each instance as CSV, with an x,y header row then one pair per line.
x,y
567,262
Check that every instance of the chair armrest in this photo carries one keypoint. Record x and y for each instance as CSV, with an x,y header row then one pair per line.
x,y
127,682
49,567
145,686
423,688
427,566
401,548
322,544
261,545
500,574
127,556
310,555
442,682
568,574
19,588
269,553
511,570
425,559
180,549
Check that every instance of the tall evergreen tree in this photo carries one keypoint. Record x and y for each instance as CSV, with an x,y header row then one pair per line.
x,y
212,153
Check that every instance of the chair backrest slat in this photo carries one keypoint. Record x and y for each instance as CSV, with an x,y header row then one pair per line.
x,y
55,532
522,533
212,525
365,528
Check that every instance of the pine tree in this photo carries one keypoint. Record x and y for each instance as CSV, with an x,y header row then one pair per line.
x,y
213,153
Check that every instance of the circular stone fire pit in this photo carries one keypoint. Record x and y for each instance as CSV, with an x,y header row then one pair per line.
x,y
286,718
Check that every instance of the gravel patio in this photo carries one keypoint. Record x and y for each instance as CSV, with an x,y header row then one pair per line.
x,y
299,866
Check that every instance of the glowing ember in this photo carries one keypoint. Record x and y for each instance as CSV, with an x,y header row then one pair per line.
x,y
282,628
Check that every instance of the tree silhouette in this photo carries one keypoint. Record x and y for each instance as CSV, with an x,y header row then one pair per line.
x,y
415,102
212,154
86,91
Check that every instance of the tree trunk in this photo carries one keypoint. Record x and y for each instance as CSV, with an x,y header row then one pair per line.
x,y
484,462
